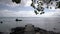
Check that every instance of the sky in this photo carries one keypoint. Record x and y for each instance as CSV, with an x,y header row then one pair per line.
x,y
10,9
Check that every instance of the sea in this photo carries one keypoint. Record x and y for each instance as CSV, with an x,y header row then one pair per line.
x,y
47,23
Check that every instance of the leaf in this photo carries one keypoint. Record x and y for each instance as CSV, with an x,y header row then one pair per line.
x,y
42,12
59,5
33,5
35,12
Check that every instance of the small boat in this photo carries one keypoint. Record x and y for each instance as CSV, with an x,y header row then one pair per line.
x,y
18,20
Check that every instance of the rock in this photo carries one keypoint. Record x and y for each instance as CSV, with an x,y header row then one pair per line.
x,y
18,20
37,32
1,22
1,32
29,29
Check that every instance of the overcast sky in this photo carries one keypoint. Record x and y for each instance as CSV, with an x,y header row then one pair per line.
x,y
10,9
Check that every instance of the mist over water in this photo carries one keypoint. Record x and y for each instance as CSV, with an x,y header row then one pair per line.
x,y
47,23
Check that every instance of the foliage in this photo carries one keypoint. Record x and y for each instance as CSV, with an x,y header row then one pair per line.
x,y
16,1
39,8
59,4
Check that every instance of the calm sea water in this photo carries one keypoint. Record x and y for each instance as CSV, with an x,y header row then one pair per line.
x,y
45,23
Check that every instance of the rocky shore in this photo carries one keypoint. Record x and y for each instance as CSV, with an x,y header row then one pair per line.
x,y
30,29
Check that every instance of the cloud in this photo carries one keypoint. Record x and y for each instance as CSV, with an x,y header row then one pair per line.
x,y
8,3
9,13
6,13
27,2
30,13
11,4
57,13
